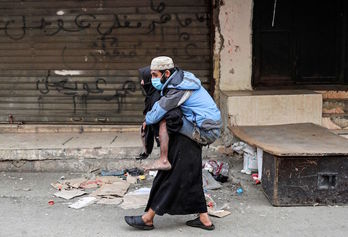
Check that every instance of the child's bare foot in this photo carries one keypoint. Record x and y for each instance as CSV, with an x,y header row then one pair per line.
x,y
159,165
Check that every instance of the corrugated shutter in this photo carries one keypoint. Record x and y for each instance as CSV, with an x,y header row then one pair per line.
x,y
76,61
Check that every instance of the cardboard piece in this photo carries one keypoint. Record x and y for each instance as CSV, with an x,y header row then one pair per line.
x,y
132,179
69,194
83,202
109,179
134,201
110,201
115,189
74,183
218,213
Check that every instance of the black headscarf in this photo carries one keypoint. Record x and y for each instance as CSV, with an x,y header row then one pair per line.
x,y
152,95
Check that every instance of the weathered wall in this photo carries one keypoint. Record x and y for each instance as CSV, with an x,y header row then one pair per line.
x,y
335,109
233,44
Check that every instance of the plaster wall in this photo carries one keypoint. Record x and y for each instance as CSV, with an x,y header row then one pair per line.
x,y
234,44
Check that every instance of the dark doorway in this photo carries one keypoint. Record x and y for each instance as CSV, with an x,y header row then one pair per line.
x,y
300,44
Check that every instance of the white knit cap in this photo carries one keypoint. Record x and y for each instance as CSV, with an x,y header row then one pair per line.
x,y
162,63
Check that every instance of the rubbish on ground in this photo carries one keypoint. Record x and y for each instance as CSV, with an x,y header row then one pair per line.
x,y
74,183
141,191
59,186
69,194
110,201
218,169
91,184
209,183
115,189
142,177
51,202
83,202
256,178
219,213
62,177
238,147
131,179
212,207
112,173
134,171
136,199
250,160
153,173
109,179
239,191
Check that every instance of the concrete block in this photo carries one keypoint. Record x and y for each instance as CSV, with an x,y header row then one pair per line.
x,y
272,107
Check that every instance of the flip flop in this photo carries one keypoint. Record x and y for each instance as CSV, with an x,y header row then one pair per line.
x,y
197,223
142,156
137,222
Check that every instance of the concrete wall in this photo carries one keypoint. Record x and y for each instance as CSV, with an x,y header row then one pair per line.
x,y
233,63
233,44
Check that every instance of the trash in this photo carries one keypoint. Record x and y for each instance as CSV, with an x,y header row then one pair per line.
x,y
131,179
219,213
218,169
115,189
136,199
91,184
153,173
212,208
62,177
134,171
141,191
112,173
142,177
250,160
239,191
238,147
256,178
209,183
69,194
51,202
83,202
110,201
109,179
74,183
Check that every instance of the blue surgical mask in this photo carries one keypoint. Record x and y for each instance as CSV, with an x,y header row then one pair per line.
x,y
156,82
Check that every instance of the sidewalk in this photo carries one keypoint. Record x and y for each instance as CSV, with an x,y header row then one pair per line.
x,y
25,212
72,151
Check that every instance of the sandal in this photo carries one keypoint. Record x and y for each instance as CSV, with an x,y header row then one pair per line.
x,y
142,156
197,223
137,222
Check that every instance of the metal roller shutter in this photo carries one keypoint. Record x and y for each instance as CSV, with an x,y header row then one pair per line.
x,y
76,61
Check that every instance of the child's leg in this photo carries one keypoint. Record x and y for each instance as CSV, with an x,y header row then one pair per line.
x,y
162,163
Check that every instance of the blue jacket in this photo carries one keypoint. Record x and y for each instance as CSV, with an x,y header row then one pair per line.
x,y
185,90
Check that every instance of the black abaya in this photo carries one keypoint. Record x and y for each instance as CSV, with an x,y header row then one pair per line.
x,y
179,191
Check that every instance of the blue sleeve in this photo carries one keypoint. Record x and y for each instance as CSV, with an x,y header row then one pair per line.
x,y
155,114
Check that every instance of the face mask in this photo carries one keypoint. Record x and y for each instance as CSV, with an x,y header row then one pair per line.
x,y
156,82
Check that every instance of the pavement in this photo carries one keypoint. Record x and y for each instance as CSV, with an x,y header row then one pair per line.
x,y
24,211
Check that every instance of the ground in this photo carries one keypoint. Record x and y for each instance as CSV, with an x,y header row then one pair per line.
x,y
25,212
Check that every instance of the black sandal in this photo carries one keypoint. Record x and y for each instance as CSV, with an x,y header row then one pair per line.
x,y
137,222
197,223
142,156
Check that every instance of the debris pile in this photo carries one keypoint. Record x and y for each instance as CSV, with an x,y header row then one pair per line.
x,y
110,189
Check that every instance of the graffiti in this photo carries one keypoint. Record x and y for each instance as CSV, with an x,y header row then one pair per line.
x,y
105,39
83,91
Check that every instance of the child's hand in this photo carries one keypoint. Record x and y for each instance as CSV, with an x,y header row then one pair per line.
x,y
144,125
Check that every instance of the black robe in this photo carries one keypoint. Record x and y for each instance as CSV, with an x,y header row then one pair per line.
x,y
179,191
